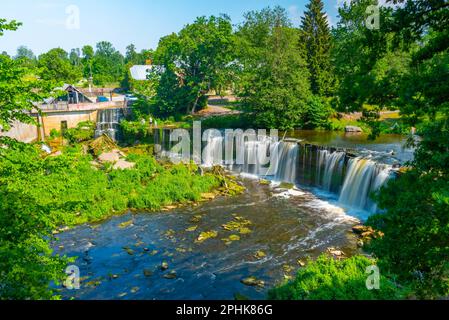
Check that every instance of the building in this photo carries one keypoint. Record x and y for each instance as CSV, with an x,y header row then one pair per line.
x,y
140,72
61,113
72,96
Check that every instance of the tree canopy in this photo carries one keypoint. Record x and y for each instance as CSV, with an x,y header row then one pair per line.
x,y
193,62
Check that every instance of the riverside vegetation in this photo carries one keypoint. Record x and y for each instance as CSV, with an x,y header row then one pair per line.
x,y
42,193
285,77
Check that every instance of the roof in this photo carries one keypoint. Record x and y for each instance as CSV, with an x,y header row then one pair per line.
x,y
140,72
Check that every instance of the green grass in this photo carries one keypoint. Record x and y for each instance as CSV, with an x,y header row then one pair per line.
x,y
330,279
76,192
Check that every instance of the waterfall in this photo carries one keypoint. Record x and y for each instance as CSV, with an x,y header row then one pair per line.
x,y
108,122
286,166
333,163
364,176
213,151
351,180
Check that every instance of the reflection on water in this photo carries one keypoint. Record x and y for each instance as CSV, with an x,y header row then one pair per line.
x,y
123,261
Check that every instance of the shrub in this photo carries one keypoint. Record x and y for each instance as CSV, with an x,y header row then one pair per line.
x,y
330,279
84,131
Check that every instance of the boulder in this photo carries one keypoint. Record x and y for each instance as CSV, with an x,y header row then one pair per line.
x,y
147,272
253,282
353,129
123,164
171,275
164,266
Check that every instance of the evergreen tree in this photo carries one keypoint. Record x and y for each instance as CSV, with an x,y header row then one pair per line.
x,y
317,38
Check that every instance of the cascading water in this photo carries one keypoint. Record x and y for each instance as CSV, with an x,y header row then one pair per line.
x,y
108,122
351,179
287,162
364,177
333,164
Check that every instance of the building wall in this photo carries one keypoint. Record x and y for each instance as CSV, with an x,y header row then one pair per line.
x,y
53,120
22,132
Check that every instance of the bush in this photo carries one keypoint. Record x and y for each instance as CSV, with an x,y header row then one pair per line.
x,y
84,131
238,121
330,279
40,193
316,114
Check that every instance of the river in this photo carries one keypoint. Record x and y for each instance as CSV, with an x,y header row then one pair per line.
x,y
121,258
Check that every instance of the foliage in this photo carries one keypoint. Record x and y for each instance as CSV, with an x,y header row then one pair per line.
x,y
11,25
40,193
317,38
134,130
274,80
415,222
84,131
145,88
55,65
107,64
26,261
26,56
193,62
330,279
237,121
316,114
18,88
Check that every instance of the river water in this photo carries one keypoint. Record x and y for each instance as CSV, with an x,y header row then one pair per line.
x,y
121,258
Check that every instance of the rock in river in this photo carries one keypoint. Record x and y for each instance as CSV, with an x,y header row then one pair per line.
x,y
164,265
253,282
353,129
171,275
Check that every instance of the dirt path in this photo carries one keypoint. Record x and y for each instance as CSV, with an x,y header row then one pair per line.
x,y
218,106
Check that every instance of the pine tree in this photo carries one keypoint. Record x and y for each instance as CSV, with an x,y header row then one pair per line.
x,y
316,37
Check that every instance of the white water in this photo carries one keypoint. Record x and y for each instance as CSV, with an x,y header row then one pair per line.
x,y
364,176
333,164
352,180
108,122
286,167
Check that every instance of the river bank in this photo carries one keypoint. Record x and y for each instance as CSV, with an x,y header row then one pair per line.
x,y
210,250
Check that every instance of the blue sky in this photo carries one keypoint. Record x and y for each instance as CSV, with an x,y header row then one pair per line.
x,y
121,22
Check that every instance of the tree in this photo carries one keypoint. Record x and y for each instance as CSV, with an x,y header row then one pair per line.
x,y
273,84
27,264
88,55
193,61
415,220
55,65
25,53
75,57
107,64
317,39
132,57
19,88
368,65
11,25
